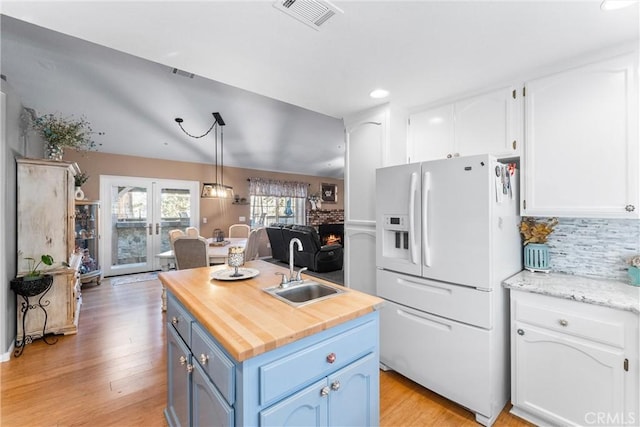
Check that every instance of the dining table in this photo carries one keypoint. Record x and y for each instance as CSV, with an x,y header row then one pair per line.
x,y
218,252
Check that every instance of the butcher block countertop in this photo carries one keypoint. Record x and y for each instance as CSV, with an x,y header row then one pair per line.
x,y
246,320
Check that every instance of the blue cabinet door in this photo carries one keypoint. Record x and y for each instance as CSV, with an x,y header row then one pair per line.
x,y
306,408
179,384
354,395
209,407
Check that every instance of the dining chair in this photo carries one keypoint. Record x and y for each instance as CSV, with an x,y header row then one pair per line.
x,y
174,234
192,232
251,250
191,252
239,230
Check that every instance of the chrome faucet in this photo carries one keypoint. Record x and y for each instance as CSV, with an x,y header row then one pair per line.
x,y
293,276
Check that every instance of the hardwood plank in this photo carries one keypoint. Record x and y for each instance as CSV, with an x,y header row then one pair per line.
x,y
113,373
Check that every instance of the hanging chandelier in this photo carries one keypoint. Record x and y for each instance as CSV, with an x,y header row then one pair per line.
x,y
217,189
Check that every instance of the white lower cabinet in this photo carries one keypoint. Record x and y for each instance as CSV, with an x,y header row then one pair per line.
x,y
573,363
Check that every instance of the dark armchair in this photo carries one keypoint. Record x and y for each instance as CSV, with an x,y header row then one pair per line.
x,y
314,256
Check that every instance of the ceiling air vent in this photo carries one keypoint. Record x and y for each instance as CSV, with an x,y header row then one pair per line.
x,y
182,73
314,13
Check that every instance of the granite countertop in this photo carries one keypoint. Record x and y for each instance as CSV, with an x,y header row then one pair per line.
x,y
590,290
246,320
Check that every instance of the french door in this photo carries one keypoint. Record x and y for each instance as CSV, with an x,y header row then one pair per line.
x,y
136,218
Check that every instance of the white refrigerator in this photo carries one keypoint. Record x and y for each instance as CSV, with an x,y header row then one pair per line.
x,y
447,235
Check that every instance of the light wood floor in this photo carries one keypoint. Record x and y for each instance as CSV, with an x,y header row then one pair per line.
x,y
113,373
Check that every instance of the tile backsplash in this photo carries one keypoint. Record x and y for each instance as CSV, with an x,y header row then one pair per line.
x,y
594,247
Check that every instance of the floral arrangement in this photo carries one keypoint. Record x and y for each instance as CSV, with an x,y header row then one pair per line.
x,y
60,132
634,261
536,231
81,178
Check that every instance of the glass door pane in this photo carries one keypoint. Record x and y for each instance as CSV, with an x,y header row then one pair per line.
x,y
131,228
175,213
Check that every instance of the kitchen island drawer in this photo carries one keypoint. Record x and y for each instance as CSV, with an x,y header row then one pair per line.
x,y
179,318
575,318
296,370
213,361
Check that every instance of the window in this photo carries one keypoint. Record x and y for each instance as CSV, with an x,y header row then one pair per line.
x,y
277,201
266,210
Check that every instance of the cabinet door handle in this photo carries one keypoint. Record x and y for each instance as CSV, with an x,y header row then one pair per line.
x,y
563,322
174,320
204,359
189,368
183,360
150,227
324,391
331,357
157,228
520,332
335,385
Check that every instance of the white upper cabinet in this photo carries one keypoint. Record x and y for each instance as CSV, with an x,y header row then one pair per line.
x,y
485,123
581,154
375,138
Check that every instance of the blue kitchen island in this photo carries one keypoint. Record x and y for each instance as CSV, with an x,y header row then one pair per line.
x,y
238,356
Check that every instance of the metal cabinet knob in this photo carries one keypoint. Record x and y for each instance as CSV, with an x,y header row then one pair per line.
x,y
331,357
174,320
189,368
520,332
204,359
630,208
183,360
324,391
563,322
335,385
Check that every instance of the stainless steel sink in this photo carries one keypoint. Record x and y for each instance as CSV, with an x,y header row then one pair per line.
x,y
304,293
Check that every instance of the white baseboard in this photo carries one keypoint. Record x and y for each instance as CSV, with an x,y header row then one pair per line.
x,y
5,357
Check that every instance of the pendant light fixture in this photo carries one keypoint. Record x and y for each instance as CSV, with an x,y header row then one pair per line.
x,y
217,189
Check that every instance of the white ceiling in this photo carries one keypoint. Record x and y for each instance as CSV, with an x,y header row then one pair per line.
x,y
421,51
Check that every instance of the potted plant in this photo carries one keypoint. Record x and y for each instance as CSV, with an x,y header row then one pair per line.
x,y
60,132
534,234
634,270
35,281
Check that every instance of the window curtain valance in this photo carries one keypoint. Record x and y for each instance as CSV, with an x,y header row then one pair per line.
x,y
271,187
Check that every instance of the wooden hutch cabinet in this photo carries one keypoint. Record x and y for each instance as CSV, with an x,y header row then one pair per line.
x,y
45,219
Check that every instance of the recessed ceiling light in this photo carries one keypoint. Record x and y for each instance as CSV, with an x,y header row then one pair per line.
x,y
379,93
616,4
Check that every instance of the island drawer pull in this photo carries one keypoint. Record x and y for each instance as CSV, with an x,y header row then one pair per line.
x,y
204,358
335,385
324,391
331,357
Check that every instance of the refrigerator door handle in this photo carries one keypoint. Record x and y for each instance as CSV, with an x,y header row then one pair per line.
x,y
426,190
412,219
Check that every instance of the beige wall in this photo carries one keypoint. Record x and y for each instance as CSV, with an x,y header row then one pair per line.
x,y
220,213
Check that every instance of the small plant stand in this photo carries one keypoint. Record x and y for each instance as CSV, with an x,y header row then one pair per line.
x,y
27,289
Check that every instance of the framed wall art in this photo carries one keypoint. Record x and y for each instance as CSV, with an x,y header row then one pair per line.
x,y
329,193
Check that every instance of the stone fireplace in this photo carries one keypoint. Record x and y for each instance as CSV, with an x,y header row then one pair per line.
x,y
329,223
